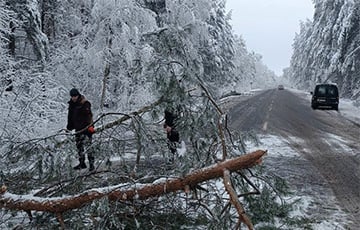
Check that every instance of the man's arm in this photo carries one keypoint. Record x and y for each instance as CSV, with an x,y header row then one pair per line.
x,y
70,125
88,113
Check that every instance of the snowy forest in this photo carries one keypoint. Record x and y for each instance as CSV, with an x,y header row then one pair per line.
x,y
327,49
132,59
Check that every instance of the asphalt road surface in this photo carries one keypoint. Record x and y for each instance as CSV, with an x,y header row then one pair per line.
x,y
287,114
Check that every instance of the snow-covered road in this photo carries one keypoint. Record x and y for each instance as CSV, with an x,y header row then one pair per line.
x,y
317,152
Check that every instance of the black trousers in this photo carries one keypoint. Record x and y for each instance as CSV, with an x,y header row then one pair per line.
x,y
173,139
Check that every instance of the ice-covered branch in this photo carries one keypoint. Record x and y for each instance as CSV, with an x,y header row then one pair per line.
x,y
127,192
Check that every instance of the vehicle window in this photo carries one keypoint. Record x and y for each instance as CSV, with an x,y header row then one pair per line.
x,y
321,91
332,91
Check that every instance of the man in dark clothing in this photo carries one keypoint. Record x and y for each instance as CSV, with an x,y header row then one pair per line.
x,y
171,132
80,119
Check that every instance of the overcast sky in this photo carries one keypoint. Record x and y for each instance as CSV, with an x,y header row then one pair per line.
x,y
269,26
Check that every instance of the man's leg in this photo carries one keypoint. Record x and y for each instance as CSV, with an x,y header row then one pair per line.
x,y
79,139
90,152
172,146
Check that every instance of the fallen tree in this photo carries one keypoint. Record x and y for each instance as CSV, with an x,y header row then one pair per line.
x,y
128,192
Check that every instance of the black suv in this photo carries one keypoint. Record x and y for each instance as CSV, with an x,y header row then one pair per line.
x,y
326,95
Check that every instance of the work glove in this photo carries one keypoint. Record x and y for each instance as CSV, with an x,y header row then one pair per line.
x,y
91,129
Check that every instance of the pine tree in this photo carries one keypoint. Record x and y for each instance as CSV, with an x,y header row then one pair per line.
x,y
326,50
132,59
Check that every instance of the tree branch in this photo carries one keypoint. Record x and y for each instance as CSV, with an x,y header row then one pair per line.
x,y
127,192
235,201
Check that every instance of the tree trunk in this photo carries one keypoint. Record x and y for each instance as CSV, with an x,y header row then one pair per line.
x,y
127,192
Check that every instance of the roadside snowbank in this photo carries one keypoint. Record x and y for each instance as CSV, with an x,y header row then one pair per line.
x,y
348,108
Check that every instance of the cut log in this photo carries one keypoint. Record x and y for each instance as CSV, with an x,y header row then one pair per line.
x,y
127,192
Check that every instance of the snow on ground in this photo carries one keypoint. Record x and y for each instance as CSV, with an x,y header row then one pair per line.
x,y
339,143
317,201
350,109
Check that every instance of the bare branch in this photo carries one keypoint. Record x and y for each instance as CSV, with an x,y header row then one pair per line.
x,y
235,201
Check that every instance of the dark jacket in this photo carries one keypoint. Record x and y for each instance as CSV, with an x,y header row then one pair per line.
x,y
173,136
80,115
170,118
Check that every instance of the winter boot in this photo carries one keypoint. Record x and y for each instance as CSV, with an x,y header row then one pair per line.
x,y
81,165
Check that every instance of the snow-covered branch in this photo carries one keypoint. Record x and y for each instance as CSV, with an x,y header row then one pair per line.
x,y
127,192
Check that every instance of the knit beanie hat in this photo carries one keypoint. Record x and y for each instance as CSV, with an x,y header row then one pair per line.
x,y
74,92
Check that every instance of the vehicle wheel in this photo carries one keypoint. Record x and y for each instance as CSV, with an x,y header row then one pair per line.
x,y
336,107
313,106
